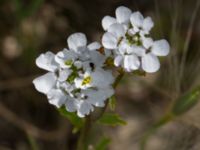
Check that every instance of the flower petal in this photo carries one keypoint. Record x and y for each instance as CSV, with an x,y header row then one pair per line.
x,y
84,108
46,61
150,63
118,60
77,41
94,46
107,21
137,19
147,42
71,104
45,82
117,30
98,97
131,62
138,50
56,97
160,48
64,74
66,55
101,78
123,14
97,58
147,24
109,41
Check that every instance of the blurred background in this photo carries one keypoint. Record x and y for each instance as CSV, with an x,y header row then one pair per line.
x,y
31,27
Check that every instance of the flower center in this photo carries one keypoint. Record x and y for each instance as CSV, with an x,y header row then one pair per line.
x,y
87,80
68,62
133,39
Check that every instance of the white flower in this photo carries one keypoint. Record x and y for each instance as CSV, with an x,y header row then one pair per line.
x,y
65,58
46,82
77,42
150,62
47,62
122,16
91,98
76,77
98,78
126,57
141,24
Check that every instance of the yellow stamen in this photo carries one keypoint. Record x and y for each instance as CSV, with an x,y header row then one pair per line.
x,y
86,80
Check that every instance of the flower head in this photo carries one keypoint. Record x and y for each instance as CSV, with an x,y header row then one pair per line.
x,y
127,36
76,78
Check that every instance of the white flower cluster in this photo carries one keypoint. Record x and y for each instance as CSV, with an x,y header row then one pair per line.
x,y
78,78
127,36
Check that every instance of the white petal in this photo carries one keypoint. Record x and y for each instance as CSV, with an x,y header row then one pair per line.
x,y
98,97
147,24
84,109
97,58
122,14
131,62
150,63
65,55
107,21
65,86
160,48
78,64
101,78
117,30
64,74
45,83
56,97
109,41
71,104
147,42
138,50
77,41
118,60
46,61
123,46
136,19
94,46
78,83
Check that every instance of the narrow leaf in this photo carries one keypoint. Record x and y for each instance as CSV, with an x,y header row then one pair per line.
x,y
186,102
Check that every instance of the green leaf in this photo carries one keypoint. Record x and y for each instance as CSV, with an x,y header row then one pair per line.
x,y
103,144
112,102
111,119
72,117
186,102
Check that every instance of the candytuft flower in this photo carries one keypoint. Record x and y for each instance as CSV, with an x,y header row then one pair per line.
x,y
76,78
127,36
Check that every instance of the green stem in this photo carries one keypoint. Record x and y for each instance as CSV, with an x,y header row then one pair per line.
x,y
84,134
